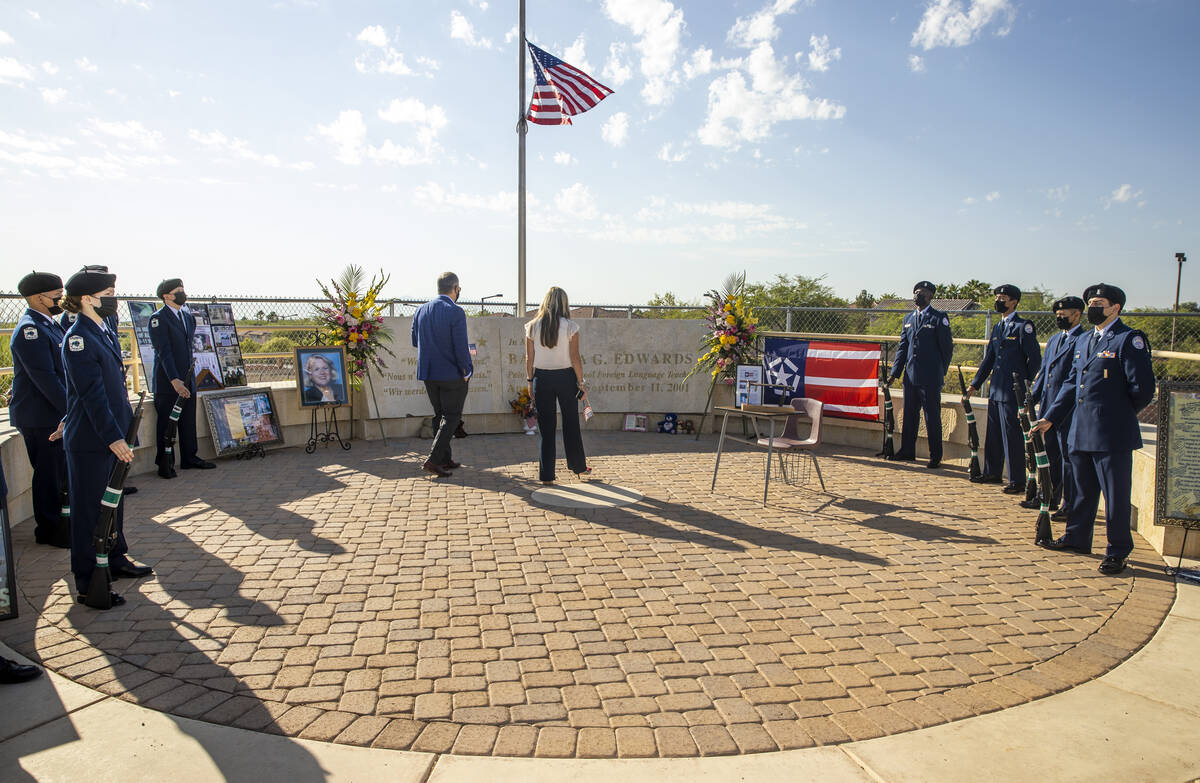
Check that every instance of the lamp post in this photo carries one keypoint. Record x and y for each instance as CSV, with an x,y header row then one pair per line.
x,y
1179,258
483,301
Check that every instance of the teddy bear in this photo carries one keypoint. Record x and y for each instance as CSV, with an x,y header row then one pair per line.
x,y
668,424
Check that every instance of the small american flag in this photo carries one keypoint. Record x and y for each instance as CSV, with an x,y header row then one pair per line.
x,y
562,90
844,376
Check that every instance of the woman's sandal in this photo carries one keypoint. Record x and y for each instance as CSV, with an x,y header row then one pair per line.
x,y
584,474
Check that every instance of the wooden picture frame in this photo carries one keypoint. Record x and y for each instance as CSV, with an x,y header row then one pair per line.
x,y
309,393
242,418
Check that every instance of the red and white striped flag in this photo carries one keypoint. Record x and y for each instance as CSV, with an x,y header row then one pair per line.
x,y
561,90
843,375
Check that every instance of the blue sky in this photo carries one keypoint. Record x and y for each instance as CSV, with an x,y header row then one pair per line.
x,y
251,147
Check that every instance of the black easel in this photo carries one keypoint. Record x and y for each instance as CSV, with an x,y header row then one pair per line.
x,y
330,433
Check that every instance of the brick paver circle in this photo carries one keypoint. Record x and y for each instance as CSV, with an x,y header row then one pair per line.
x,y
347,596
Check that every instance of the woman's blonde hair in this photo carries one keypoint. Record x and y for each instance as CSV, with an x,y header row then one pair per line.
x,y
554,308
315,357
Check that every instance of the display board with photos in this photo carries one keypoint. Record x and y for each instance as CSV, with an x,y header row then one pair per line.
x,y
240,419
1177,463
215,345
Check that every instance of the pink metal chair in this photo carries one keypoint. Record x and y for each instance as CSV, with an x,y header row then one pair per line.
x,y
790,443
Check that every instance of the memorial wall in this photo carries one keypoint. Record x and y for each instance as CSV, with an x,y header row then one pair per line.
x,y
634,366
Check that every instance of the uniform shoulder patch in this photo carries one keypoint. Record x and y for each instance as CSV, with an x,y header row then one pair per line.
x,y
1138,342
1028,328
154,322
30,332
75,343
945,321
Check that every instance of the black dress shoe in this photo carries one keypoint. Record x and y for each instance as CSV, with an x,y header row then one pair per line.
x,y
49,539
1060,544
128,490
1112,565
167,473
986,480
13,672
1059,516
459,432
1031,504
436,470
933,463
903,458
116,599
200,464
1013,489
451,465
129,571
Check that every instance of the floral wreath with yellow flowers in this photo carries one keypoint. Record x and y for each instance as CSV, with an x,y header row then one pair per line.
x,y
731,331
354,318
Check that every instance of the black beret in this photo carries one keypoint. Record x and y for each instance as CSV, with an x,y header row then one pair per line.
x,y
1113,294
89,281
1009,290
167,286
39,283
1068,303
926,286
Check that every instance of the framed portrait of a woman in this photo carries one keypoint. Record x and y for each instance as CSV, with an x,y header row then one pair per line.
x,y
321,376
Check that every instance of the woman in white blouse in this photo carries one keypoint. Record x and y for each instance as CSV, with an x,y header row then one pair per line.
x,y
555,372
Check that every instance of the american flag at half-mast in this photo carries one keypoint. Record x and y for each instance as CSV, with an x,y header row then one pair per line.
x,y
843,375
561,90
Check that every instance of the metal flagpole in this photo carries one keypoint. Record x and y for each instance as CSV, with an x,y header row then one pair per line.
x,y
521,128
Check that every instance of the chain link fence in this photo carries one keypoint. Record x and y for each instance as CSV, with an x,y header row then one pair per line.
x,y
270,328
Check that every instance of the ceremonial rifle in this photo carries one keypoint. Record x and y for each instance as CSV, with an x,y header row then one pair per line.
x,y
173,424
972,429
99,595
1030,459
889,420
1042,534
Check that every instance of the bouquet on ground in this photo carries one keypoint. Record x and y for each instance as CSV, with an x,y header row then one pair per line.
x,y
354,318
522,405
731,331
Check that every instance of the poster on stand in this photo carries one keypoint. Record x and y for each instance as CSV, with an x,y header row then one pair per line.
x,y
226,344
207,367
139,315
749,385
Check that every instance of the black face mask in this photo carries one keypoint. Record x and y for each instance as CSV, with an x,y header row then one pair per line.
x,y
53,307
108,306
180,298
920,300
1001,307
1063,322
1096,315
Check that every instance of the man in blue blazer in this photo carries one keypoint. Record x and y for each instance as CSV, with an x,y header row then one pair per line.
x,y
39,402
439,333
1057,364
1113,379
1012,348
923,357
171,331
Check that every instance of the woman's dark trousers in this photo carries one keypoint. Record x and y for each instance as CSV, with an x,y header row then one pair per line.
x,y
551,388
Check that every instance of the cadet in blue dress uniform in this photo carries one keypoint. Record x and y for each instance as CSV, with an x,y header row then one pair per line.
x,y
1113,379
1057,365
922,358
39,402
171,332
1012,347
98,415
11,671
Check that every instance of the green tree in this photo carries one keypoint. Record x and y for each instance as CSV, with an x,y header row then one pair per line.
x,y
972,289
864,299
279,344
669,299
272,316
793,291
250,346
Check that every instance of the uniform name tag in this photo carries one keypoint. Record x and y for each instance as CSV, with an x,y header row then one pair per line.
x,y
30,332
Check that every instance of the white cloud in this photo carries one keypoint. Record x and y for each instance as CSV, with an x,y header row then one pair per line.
x,y
34,15
820,55
512,34
142,4
969,200
461,29
947,23
172,94
665,221
373,35
616,129
348,134
18,140
5,38
130,133
429,64
749,31
616,70
576,54
666,153
53,96
480,4
1123,195
702,63
434,195
86,65
13,72
658,25
1060,193
993,196
49,67
576,202
916,64
738,112
234,147
564,158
